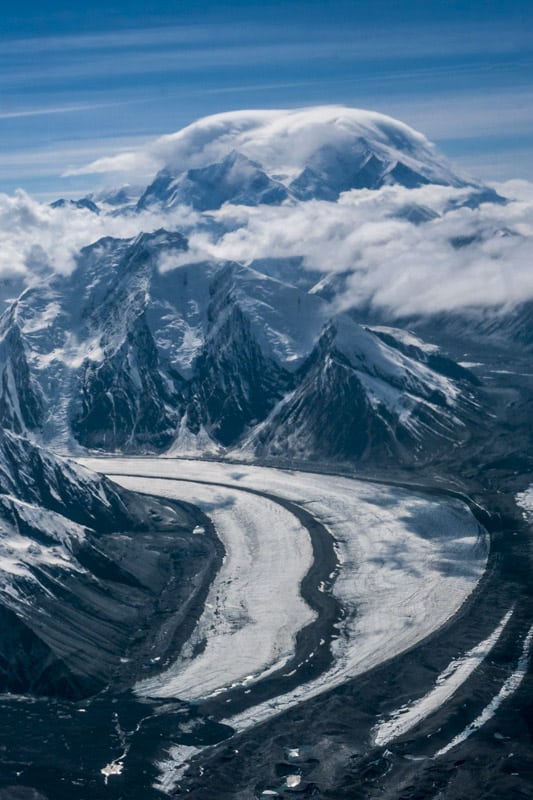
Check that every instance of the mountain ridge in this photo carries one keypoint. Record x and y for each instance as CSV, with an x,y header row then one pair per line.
x,y
212,346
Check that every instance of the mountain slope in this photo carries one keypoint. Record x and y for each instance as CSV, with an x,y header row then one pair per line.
x,y
140,351
84,566
236,179
360,398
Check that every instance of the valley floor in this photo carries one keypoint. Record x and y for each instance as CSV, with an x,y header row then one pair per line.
x,y
403,565
357,640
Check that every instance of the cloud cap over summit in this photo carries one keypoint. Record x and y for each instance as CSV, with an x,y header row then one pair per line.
x,y
282,141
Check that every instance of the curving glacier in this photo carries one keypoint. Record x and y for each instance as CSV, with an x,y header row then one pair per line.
x,y
254,609
407,563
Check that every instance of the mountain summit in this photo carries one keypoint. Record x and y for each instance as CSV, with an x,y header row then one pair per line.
x,y
224,332
252,157
266,156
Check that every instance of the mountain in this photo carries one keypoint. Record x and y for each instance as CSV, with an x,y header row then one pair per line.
x,y
139,350
313,290
164,342
83,565
362,396
236,179
123,352
84,203
270,157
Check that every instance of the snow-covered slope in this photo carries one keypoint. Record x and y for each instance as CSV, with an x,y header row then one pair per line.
x,y
235,179
34,476
361,397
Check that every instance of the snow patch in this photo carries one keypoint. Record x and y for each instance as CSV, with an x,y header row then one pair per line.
x,y
508,689
173,768
525,500
405,337
447,683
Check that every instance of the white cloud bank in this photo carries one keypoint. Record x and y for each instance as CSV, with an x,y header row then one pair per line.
x,y
394,264
35,237
463,257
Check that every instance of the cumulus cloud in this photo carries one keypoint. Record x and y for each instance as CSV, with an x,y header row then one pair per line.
x,y
458,257
35,237
464,257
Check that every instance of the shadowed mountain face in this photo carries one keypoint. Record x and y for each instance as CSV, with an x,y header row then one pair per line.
x,y
85,566
360,396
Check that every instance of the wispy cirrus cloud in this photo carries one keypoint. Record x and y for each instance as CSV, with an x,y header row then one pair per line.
x,y
467,114
368,41
437,75
47,110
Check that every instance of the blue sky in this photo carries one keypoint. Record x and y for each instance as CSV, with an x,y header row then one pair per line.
x,y
78,83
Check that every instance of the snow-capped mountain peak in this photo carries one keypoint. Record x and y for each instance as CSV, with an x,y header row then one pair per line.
x,y
254,157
